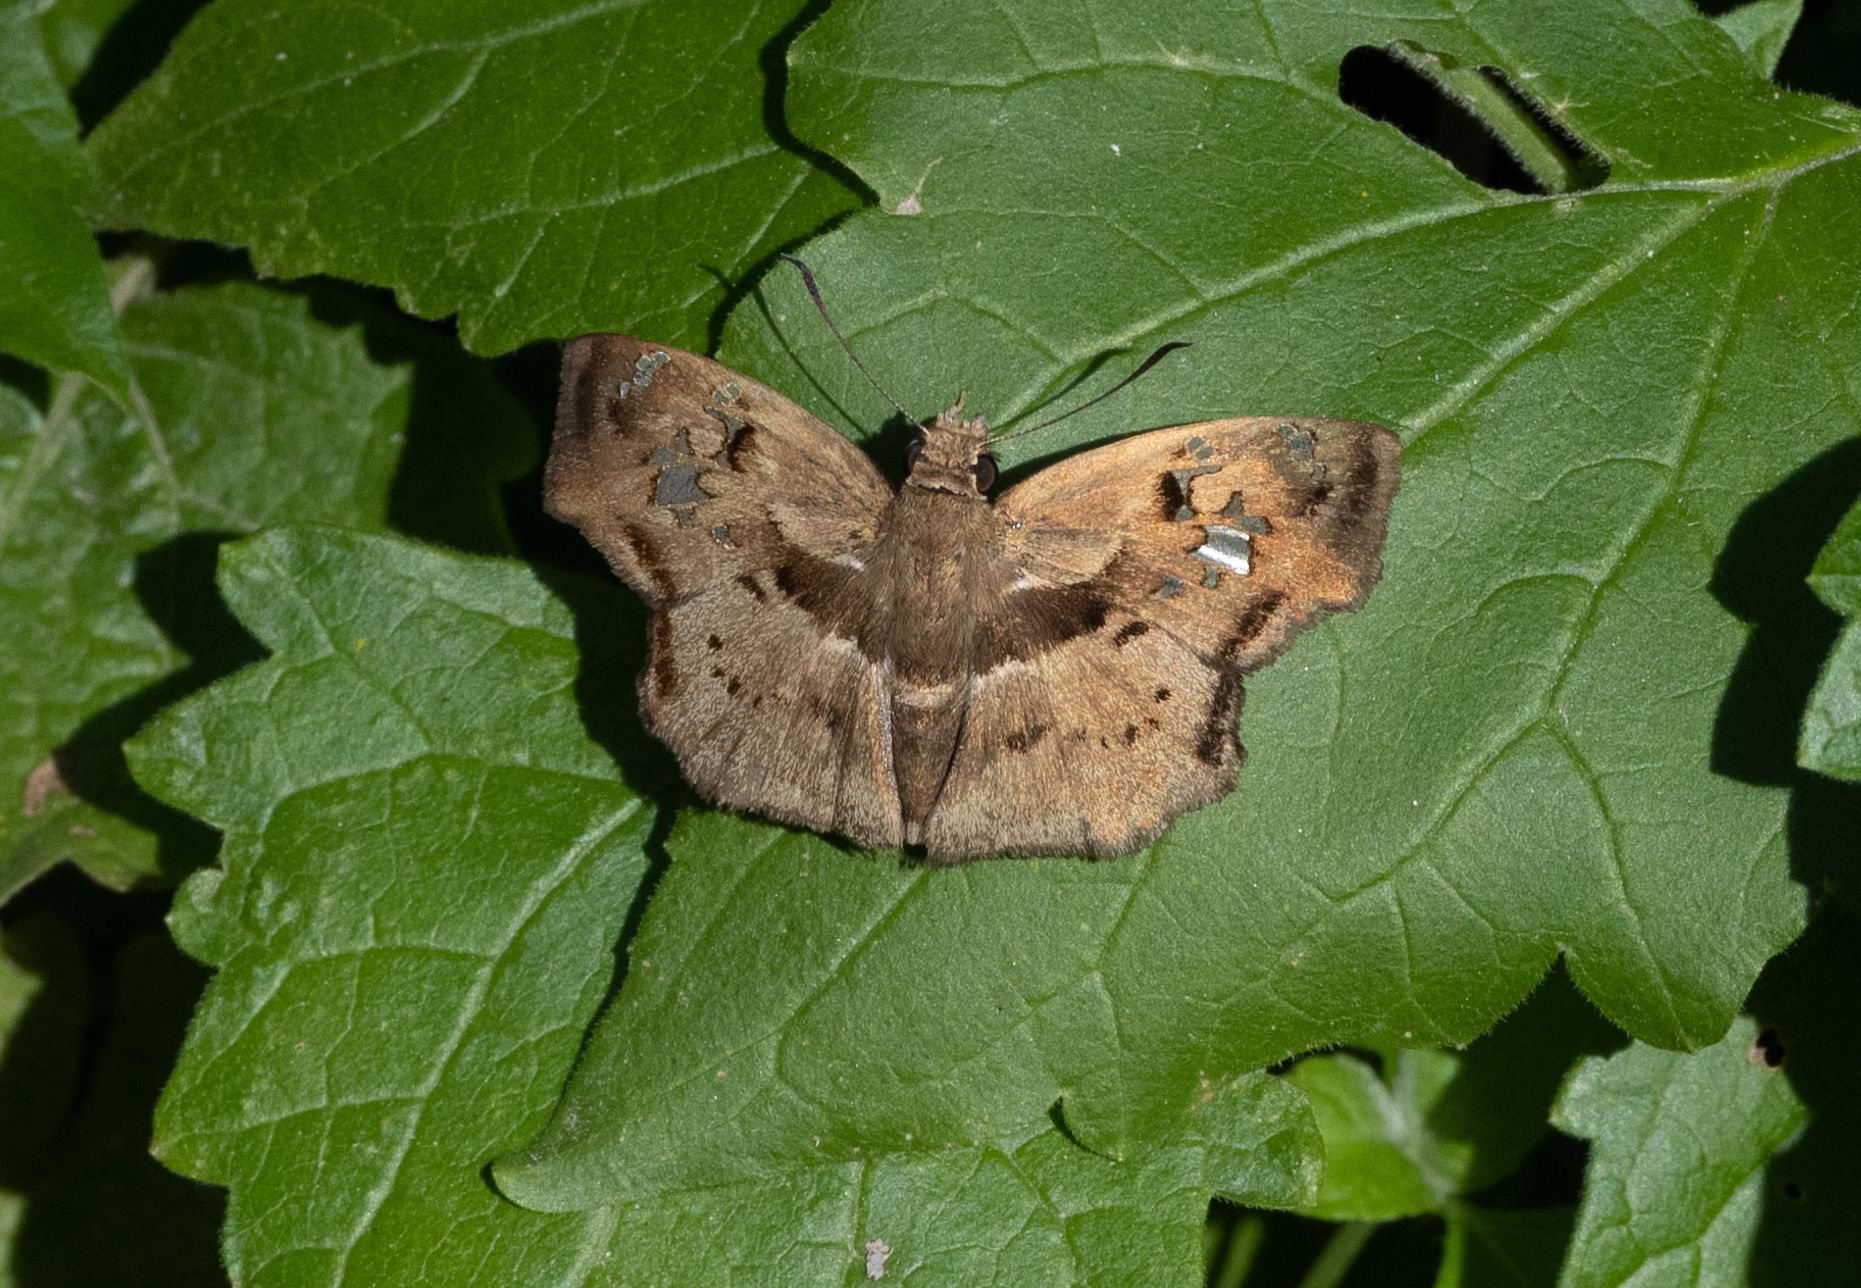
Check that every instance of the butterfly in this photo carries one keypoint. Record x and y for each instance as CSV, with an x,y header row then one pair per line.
x,y
1056,671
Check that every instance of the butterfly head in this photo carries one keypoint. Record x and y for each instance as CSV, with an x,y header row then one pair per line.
x,y
950,454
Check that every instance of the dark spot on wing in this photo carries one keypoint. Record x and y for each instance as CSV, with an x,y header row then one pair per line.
x,y
1313,500
1171,500
588,395
739,443
1129,631
715,642
1219,730
1037,619
1023,739
825,591
1130,734
732,687
647,555
1163,694
1362,475
1253,621
749,583
663,665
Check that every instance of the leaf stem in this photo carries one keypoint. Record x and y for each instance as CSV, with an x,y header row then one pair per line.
x,y
1339,1252
1238,1251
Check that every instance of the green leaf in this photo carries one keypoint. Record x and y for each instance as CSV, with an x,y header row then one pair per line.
x,y
81,1201
1676,1175
72,31
247,411
426,863
53,306
1762,28
539,170
1438,1125
1831,742
1512,750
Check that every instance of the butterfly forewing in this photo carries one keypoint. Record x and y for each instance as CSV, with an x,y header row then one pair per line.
x,y
705,490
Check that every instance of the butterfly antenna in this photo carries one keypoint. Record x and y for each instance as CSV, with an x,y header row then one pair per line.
x,y
1142,367
807,277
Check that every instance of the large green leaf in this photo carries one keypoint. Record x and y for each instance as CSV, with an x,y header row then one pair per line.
x,y
1832,725
246,411
1676,1177
427,860
538,169
1566,679
53,307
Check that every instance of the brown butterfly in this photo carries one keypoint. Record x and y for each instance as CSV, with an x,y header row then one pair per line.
x,y
1055,672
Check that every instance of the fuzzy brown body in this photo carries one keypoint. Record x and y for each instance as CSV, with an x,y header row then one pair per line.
x,y
1057,672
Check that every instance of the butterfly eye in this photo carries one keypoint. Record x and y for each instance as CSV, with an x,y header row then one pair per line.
x,y
985,472
913,452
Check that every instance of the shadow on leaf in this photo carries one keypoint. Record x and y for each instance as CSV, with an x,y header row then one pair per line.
x,y
1761,577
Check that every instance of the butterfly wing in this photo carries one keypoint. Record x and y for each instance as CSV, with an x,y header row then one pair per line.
x,y
1205,549
701,486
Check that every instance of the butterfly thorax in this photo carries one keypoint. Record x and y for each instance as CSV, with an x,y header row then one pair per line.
x,y
947,451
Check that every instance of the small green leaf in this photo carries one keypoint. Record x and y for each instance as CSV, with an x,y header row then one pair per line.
x,y
73,30
246,411
1380,1162
53,306
1831,741
1679,1146
540,169
1762,29
1439,1125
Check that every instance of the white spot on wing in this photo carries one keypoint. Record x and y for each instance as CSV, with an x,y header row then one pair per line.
x,y
1228,548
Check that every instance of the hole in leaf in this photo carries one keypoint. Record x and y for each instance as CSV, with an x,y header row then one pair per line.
x,y
1766,1049
1791,1190
1474,118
